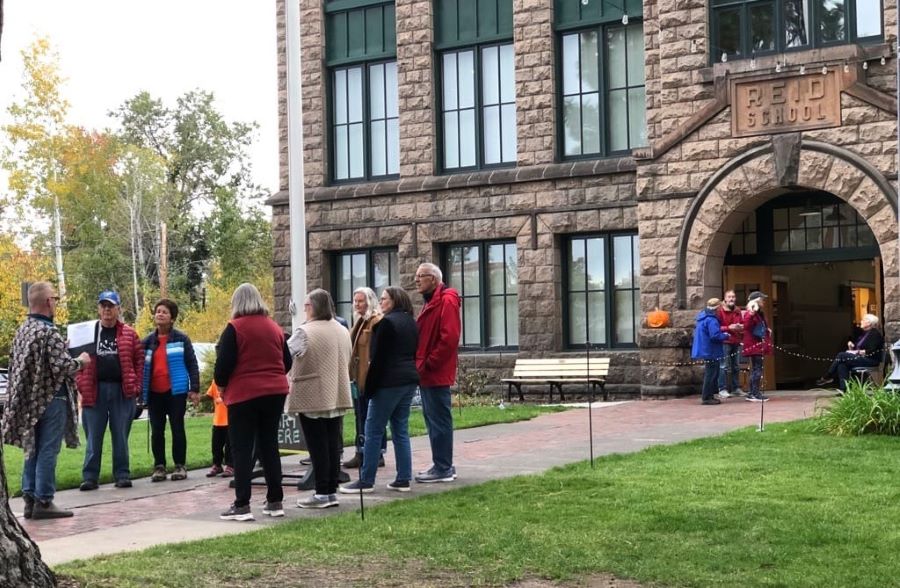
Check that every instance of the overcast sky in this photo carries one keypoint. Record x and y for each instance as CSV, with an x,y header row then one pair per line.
x,y
112,49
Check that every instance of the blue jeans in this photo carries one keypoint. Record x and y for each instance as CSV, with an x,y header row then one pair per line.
x,y
361,413
388,405
710,377
113,408
756,370
729,367
439,421
39,473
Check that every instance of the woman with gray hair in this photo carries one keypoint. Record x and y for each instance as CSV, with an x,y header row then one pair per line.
x,y
866,351
366,315
252,359
320,392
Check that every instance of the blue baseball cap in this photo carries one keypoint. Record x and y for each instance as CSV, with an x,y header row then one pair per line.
x,y
109,296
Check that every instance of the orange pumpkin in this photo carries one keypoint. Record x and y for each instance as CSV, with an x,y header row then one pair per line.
x,y
658,319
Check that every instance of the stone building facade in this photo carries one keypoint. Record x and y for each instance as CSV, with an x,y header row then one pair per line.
x,y
628,157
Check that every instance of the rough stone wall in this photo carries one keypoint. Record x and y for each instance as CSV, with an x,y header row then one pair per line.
x,y
415,72
535,85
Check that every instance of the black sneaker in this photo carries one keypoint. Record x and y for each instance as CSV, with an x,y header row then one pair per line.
x,y
123,483
711,401
435,476
824,381
756,398
45,509
238,513
399,486
29,505
356,487
273,509
88,485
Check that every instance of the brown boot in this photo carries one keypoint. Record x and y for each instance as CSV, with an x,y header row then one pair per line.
x,y
354,462
45,509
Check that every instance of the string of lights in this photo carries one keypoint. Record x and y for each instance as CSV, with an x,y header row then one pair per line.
x,y
698,362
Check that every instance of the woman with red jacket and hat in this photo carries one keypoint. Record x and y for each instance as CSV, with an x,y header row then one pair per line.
x,y
757,342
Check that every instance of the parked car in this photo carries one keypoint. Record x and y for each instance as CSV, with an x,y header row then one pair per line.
x,y
4,394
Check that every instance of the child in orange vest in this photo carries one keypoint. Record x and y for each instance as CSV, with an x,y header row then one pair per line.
x,y
221,449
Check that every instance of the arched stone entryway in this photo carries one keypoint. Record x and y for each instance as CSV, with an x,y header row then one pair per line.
x,y
761,173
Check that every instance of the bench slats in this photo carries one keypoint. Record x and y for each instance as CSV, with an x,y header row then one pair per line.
x,y
557,372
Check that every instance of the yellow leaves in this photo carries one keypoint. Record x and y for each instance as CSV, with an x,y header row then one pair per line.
x,y
16,267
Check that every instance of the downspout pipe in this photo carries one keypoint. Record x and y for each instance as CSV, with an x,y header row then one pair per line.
x,y
296,198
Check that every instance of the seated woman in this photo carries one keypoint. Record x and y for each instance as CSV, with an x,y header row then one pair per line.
x,y
865,352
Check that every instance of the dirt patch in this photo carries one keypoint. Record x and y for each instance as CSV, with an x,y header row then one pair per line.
x,y
593,581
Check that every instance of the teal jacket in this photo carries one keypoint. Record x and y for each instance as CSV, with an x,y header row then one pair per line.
x,y
184,373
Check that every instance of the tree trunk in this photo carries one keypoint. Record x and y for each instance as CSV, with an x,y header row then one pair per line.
x,y
20,558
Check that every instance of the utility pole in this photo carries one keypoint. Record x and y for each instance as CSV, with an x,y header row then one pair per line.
x,y
57,245
163,262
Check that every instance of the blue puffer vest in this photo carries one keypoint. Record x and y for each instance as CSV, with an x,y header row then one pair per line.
x,y
184,374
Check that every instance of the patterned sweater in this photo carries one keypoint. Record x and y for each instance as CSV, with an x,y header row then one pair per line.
x,y
40,365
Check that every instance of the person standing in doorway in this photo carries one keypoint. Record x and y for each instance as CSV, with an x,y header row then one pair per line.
x,y
757,342
109,386
41,410
171,376
436,361
732,323
708,338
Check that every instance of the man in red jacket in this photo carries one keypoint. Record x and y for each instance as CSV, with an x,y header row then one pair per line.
x,y
436,358
109,385
731,319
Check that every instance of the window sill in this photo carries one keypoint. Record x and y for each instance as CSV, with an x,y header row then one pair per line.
x,y
812,59
499,176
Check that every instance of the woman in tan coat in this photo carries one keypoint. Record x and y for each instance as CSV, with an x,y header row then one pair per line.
x,y
366,314
320,392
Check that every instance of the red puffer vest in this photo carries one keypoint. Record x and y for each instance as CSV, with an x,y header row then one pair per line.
x,y
131,358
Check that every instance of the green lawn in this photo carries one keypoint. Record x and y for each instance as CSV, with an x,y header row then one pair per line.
x,y
787,507
198,443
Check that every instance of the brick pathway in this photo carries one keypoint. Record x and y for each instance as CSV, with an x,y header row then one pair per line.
x,y
109,520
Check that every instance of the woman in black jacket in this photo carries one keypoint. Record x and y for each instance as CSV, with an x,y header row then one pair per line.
x,y
867,351
390,385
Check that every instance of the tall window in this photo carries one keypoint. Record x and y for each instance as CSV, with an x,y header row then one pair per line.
x,y
603,101
363,123
375,268
366,121
486,277
478,107
744,28
603,290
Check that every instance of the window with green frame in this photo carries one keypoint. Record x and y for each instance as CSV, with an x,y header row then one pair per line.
x,y
603,290
477,95
478,107
374,268
742,28
363,109
603,97
486,277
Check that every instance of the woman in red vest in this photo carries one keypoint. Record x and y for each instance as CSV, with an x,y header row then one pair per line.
x,y
252,359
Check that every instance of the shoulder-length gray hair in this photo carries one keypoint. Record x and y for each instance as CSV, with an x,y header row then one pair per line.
x,y
320,304
247,300
373,307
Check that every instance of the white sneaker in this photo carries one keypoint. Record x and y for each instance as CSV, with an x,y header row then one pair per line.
x,y
723,394
738,392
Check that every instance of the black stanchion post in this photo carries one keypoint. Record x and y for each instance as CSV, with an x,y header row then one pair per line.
x,y
360,442
590,399
762,410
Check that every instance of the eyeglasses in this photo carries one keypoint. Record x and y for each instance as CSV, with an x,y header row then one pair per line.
x,y
420,276
53,298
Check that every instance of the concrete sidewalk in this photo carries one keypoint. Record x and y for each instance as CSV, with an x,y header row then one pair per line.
x,y
111,520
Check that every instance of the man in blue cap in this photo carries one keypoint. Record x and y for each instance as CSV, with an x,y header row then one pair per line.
x,y
109,387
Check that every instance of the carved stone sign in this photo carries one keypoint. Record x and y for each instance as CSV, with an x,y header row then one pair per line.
x,y
779,105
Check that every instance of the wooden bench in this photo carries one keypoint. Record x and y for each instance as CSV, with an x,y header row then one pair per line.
x,y
557,372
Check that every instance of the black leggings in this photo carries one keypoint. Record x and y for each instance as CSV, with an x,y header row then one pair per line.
x,y
324,442
221,448
256,421
173,406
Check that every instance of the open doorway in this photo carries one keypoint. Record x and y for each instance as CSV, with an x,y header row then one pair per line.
x,y
818,262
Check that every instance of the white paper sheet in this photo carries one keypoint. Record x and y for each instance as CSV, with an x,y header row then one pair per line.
x,y
81,335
